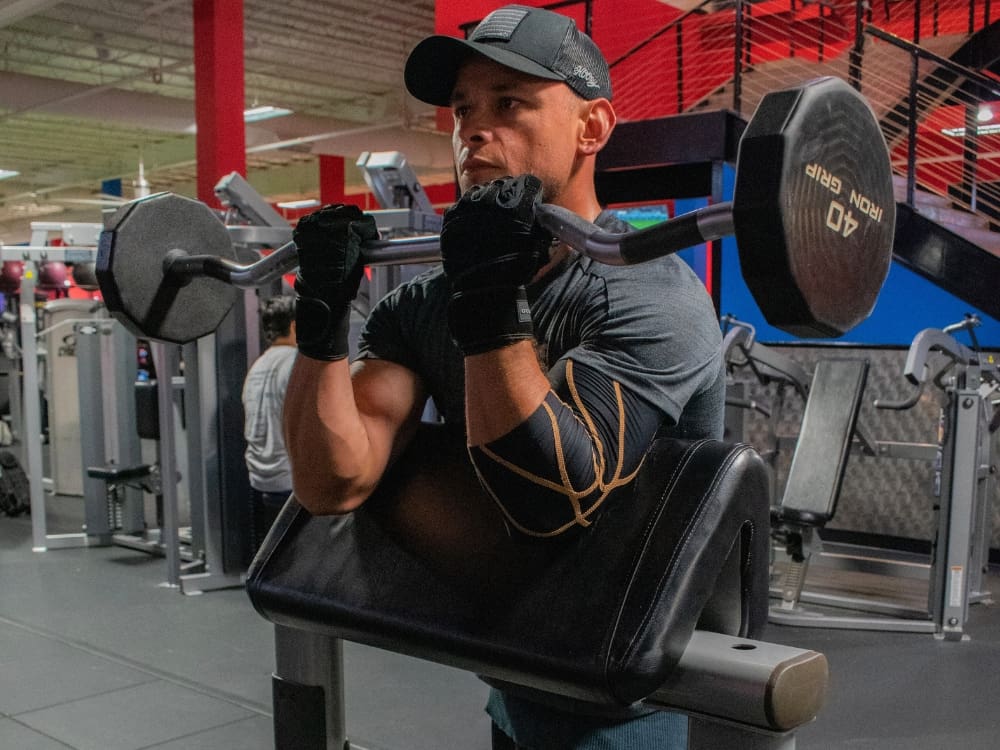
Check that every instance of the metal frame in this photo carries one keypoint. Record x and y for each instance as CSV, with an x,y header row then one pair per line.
x,y
209,571
106,379
961,544
30,429
727,686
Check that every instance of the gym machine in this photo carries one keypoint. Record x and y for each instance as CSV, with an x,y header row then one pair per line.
x,y
120,412
965,478
666,622
115,475
24,392
406,212
59,384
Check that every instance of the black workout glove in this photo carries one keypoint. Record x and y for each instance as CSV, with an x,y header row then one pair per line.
x,y
491,248
330,266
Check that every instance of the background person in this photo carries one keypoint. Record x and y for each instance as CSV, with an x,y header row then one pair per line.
x,y
263,402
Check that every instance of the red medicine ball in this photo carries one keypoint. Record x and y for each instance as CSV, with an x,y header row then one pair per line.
x,y
53,276
10,276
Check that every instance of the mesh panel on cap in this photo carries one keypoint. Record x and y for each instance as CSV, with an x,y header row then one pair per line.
x,y
584,68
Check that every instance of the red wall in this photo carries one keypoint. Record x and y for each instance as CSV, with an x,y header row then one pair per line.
x,y
645,85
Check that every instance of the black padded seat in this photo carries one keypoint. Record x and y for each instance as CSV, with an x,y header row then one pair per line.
x,y
781,515
601,616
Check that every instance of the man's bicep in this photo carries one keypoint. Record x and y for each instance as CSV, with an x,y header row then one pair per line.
x,y
586,441
390,399
618,414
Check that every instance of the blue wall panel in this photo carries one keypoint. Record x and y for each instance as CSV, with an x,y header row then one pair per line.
x,y
907,304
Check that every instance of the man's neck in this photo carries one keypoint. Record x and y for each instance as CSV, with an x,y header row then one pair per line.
x,y
584,204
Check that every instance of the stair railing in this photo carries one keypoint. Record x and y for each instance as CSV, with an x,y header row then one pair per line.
x,y
944,85
728,54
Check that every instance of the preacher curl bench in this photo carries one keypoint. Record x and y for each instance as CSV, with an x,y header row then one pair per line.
x,y
658,601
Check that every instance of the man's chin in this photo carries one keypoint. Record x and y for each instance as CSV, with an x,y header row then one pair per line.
x,y
480,177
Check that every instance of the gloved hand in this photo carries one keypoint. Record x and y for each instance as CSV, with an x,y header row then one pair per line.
x,y
491,248
329,247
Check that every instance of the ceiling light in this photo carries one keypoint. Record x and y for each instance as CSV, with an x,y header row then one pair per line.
x,y
306,203
5,173
265,112
985,113
980,130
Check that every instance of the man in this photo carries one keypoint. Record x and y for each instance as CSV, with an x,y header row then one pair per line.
x,y
559,369
263,401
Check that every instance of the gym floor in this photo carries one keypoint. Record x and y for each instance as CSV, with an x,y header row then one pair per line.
x,y
96,654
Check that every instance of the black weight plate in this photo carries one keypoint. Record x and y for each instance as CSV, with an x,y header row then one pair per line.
x,y
129,268
813,208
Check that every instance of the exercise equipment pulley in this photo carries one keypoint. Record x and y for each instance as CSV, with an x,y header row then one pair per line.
x,y
813,214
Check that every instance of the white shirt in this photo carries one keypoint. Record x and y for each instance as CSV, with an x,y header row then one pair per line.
x,y
263,401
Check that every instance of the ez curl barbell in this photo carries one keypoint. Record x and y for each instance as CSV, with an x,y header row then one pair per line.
x,y
813,214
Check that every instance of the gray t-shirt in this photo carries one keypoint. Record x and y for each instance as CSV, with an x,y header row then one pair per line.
x,y
651,327
263,400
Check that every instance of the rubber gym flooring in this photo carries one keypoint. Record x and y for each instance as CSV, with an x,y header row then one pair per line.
x,y
95,654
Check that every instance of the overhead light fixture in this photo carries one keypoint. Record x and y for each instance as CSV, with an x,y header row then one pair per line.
x,y
305,203
985,114
5,173
980,130
265,112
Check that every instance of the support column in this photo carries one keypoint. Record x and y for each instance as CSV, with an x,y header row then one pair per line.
x,y
219,93
331,179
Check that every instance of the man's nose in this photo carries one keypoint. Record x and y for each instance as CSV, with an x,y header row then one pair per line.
x,y
473,129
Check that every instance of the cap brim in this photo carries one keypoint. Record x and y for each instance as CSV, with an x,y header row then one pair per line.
x,y
432,67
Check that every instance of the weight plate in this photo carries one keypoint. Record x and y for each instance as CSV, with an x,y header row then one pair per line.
x,y
813,208
129,268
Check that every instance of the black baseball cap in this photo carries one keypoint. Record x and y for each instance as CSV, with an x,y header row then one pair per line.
x,y
530,40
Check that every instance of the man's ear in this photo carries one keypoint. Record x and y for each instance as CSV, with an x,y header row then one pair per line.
x,y
598,123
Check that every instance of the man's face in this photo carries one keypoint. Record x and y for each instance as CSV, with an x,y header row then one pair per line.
x,y
509,123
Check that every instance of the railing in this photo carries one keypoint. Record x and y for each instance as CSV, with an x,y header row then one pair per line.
x,y
942,123
728,55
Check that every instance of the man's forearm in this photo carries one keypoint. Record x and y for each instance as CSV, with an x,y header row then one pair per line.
x,y
503,387
328,445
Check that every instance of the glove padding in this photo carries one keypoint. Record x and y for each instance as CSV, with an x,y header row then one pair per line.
x,y
330,266
491,248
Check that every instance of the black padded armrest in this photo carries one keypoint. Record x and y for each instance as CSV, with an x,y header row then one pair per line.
x,y
114,473
824,444
603,619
